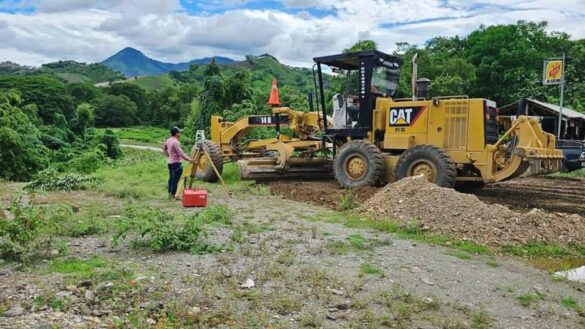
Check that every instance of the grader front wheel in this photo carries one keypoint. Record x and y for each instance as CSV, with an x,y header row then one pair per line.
x,y
429,161
358,163
205,171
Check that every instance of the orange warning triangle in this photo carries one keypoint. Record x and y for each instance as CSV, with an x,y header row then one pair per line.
x,y
273,100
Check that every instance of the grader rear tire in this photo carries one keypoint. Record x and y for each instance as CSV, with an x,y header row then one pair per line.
x,y
205,171
430,161
358,163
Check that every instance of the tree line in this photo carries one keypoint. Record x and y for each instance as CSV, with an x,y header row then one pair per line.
x,y
47,121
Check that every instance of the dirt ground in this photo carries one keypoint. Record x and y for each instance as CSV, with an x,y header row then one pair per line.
x,y
322,193
550,194
307,273
563,195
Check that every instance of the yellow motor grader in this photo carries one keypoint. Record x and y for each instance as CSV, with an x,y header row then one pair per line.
x,y
374,137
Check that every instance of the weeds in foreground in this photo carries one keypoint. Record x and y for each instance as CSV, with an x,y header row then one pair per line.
x,y
51,180
21,237
368,268
346,200
412,231
459,254
161,231
528,300
64,222
76,265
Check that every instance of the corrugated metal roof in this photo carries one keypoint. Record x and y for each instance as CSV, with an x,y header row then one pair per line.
x,y
569,113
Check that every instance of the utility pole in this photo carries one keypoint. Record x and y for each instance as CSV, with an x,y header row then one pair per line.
x,y
561,101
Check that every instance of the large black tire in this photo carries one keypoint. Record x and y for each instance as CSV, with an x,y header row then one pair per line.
x,y
430,161
358,163
205,171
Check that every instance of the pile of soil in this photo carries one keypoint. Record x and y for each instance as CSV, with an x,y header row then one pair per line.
x,y
465,217
321,193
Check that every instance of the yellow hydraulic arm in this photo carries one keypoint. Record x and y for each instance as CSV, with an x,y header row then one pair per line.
x,y
529,147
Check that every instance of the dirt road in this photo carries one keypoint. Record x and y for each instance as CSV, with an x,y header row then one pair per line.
x,y
307,273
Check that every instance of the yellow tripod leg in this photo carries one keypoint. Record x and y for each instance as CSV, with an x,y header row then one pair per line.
x,y
190,171
217,173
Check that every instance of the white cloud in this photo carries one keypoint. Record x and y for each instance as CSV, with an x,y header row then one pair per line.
x,y
90,31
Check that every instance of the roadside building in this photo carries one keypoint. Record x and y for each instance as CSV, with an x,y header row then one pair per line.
x,y
573,123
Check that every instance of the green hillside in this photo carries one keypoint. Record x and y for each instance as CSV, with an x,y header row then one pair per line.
x,y
66,71
153,82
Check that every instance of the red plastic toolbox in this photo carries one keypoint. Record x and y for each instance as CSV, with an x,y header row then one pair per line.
x,y
195,198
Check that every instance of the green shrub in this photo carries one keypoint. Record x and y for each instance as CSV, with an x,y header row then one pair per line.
x,y
161,230
346,201
87,162
50,180
20,236
63,222
22,153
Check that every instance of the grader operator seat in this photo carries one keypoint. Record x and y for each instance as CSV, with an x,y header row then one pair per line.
x,y
370,74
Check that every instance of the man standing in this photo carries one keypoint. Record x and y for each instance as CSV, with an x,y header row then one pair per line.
x,y
174,152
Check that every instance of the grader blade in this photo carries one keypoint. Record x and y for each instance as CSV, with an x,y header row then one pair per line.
x,y
534,151
269,169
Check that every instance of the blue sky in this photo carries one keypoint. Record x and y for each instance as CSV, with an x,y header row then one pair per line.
x,y
38,31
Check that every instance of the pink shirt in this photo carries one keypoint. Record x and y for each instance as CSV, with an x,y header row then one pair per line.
x,y
172,148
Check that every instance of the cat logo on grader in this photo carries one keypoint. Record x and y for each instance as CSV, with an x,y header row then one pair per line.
x,y
404,116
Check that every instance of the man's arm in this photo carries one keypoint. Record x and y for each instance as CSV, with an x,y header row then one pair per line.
x,y
165,149
179,150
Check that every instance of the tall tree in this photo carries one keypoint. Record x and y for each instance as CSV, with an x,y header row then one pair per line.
x,y
116,111
21,152
211,100
361,45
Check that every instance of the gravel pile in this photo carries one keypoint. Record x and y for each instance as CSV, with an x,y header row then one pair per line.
x,y
465,217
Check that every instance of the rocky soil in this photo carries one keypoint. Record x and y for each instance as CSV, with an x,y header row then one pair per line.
x,y
281,264
464,216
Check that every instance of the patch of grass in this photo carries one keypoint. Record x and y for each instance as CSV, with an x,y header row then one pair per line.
x,y
573,174
138,175
24,238
62,221
493,263
459,254
528,300
83,267
536,250
142,134
368,268
410,231
285,305
569,302
557,264
358,242
153,82
216,215
161,231
346,200
481,320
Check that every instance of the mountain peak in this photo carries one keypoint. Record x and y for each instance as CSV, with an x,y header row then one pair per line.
x,y
130,50
132,62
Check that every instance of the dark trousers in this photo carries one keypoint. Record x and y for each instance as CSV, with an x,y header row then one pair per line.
x,y
175,173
